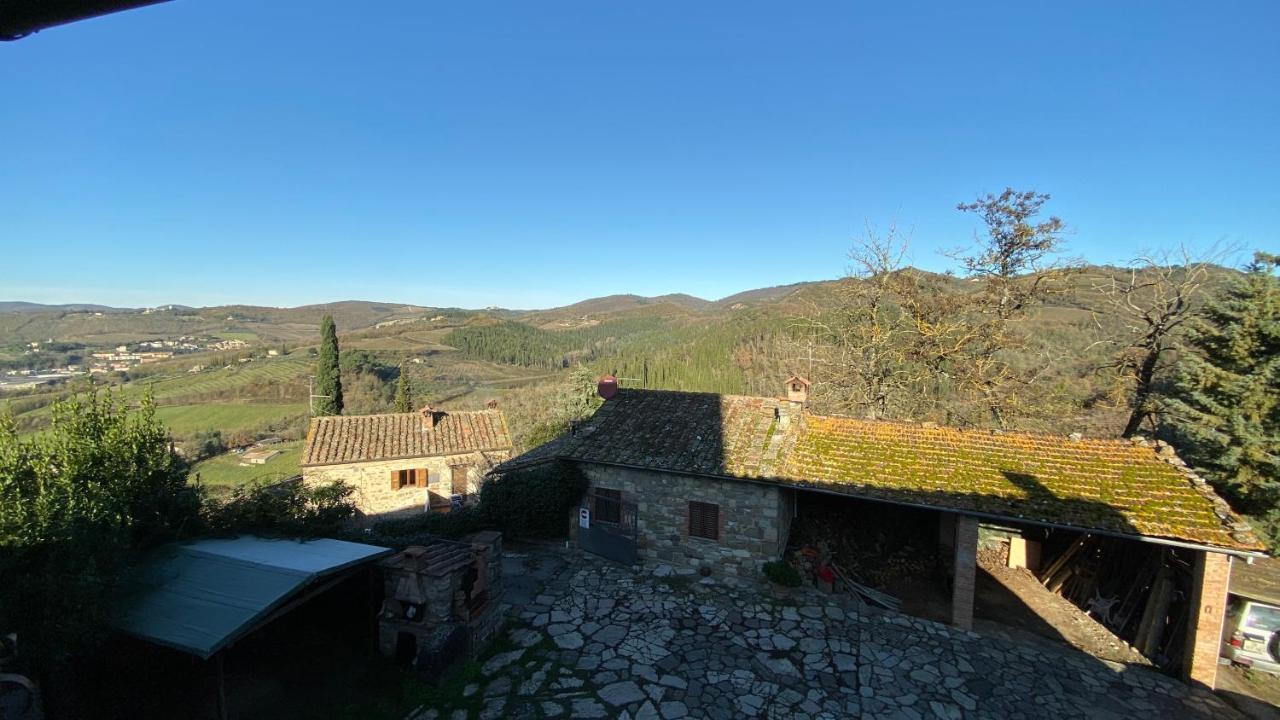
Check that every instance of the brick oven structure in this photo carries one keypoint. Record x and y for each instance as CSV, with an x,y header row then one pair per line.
x,y
441,601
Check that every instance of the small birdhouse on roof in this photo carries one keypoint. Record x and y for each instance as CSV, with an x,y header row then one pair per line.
x,y
797,389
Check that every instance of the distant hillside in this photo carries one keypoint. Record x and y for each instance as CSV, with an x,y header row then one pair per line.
x,y
23,306
462,358
751,297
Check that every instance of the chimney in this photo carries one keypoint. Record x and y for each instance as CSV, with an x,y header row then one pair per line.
x,y
429,416
607,386
797,389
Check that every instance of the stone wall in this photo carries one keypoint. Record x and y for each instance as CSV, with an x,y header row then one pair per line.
x,y
754,518
375,496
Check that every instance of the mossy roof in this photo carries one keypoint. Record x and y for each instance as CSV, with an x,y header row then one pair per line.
x,y
1112,485
1105,485
341,439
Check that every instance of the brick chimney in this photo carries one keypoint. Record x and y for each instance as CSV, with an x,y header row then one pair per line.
x,y
429,416
797,389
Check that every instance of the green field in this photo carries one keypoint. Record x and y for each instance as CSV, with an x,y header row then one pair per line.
x,y
222,473
185,420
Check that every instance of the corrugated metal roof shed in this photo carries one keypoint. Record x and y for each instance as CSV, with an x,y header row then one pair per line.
x,y
202,596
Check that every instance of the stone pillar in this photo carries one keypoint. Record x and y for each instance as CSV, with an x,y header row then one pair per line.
x,y
1204,626
964,571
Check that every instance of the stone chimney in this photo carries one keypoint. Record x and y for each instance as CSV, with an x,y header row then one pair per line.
x,y
429,416
607,386
797,389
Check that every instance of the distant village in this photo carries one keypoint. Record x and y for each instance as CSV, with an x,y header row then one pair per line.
x,y
118,359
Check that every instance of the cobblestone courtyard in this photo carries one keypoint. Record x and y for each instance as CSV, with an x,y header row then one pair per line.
x,y
590,639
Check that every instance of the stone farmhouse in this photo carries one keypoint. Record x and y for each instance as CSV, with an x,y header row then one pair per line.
x,y
407,463
712,481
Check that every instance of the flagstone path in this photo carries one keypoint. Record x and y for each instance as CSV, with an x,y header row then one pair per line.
x,y
591,639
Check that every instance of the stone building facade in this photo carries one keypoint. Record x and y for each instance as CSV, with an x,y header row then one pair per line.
x,y
379,492
406,463
752,520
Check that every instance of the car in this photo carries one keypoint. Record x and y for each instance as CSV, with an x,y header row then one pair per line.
x,y
1252,636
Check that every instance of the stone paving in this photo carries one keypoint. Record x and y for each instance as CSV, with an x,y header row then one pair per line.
x,y
598,640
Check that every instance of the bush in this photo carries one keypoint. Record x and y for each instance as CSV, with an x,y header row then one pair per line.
x,y
290,508
533,503
782,573
420,529
203,444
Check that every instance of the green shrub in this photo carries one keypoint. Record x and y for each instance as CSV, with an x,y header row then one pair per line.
x,y
533,503
420,529
290,508
782,573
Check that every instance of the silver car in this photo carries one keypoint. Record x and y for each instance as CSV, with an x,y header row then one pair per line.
x,y
1252,636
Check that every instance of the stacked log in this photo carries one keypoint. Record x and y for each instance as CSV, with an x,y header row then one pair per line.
x,y
1138,592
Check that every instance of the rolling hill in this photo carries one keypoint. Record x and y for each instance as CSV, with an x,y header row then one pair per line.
x,y
464,357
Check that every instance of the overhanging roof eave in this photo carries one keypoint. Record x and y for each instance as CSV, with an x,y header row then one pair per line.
x,y
798,485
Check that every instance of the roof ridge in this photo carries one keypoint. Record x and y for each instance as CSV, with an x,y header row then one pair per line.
x,y
985,432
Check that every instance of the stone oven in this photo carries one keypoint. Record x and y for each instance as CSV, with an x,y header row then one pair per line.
x,y
441,601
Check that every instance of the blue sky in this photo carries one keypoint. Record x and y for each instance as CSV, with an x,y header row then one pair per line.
x,y
532,154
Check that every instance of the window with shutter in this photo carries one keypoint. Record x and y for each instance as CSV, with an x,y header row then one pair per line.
x,y
704,520
416,477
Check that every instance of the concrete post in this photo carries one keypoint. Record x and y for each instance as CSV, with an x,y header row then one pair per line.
x,y
1204,625
1024,553
964,571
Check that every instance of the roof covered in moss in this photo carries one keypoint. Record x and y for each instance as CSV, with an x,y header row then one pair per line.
x,y
1116,486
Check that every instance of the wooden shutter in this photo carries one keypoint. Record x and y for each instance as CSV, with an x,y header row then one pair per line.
x,y
458,482
422,477
704,520
395,479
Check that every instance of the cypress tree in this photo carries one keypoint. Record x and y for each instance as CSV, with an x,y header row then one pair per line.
x,y
328,374
404,393
1224,404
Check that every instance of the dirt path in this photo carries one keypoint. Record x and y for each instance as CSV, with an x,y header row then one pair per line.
x,y
1256,694
1014,598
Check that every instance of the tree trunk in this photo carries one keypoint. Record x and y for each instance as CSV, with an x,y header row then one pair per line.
x,y
1145,377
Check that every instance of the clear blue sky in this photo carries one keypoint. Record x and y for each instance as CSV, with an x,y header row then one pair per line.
x,y
529,154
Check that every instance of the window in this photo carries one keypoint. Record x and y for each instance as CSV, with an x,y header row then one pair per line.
x,y
416,477
459,480
608,506
704,520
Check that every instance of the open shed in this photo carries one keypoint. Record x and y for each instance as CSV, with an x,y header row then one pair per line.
x,y
200,598
714,482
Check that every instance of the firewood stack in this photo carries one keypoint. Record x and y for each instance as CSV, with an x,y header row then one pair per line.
x,y
871,552
1139,593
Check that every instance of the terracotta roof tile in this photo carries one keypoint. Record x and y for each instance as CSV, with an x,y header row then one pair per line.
x,y
362,438
1112,485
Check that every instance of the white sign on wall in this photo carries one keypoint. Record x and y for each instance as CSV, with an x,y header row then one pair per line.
x,y
584,517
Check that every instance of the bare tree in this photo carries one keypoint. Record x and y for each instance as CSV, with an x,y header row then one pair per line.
x,y
1153,300
860,349
1017,263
